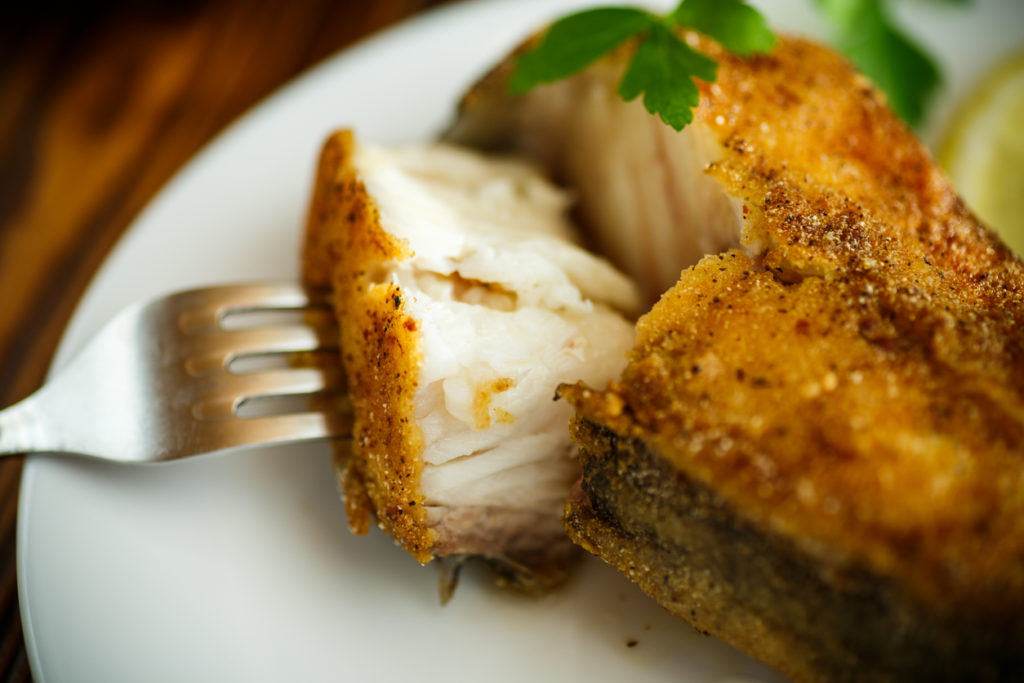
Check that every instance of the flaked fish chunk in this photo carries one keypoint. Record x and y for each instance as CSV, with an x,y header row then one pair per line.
x,y
464,301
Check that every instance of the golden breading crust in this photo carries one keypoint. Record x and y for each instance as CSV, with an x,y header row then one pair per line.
x,y
848,405
343,236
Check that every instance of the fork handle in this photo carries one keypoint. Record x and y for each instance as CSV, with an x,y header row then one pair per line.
x,y
22,429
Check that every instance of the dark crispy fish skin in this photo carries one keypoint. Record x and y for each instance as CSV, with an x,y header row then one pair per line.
x,y
688,547
817,450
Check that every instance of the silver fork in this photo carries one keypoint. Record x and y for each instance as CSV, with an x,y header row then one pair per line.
x,y
165,380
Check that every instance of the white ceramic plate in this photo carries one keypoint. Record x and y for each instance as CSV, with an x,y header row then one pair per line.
x,y
240,567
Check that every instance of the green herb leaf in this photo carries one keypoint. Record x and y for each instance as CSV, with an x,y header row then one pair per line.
x,y
574,42
733,23
901,69
662,69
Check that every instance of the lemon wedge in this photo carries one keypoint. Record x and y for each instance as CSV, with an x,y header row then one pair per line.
x,y
983,152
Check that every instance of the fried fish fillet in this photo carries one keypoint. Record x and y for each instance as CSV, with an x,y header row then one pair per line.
x,y
463,304
816,451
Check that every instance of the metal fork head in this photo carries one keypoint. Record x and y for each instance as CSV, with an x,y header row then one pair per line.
x,y
261,365
197,372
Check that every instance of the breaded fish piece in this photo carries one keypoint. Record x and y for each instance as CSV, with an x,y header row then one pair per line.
x,y
463,304
816,452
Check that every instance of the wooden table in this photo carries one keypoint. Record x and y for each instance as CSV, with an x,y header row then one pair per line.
x,y
100,104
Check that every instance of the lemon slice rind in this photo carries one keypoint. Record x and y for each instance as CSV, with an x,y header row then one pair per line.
x,y
983,152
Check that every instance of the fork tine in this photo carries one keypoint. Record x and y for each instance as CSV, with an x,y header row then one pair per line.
x,y
271,430
203,308
212,352
218,395
295,427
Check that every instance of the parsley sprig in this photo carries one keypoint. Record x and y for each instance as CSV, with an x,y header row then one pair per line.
x,y
663,67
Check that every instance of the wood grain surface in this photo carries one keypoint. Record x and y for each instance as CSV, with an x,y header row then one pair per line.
x,y
100,103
